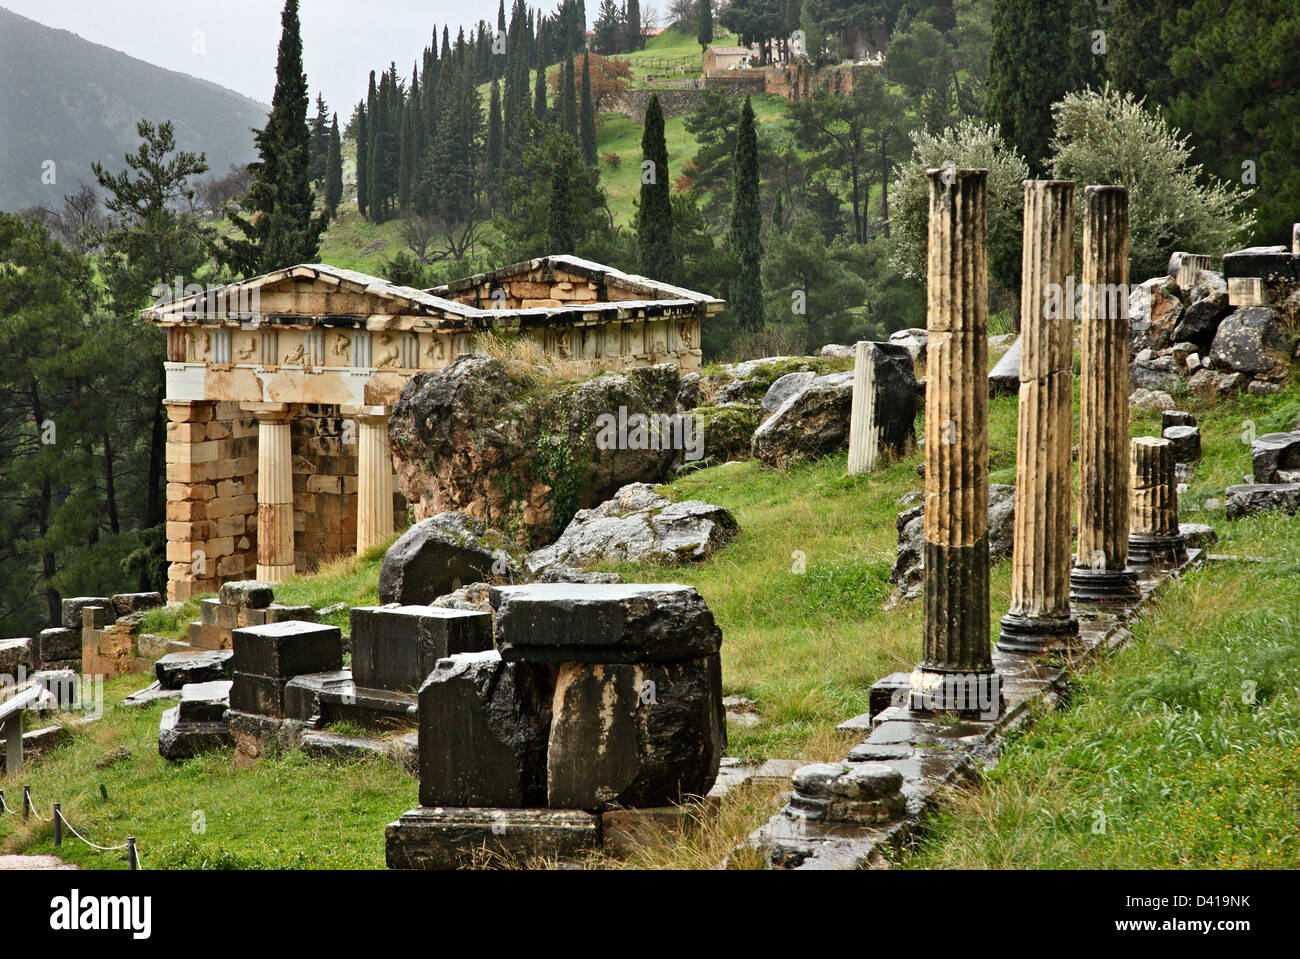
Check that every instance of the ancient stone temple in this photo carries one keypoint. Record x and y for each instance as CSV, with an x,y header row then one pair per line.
x,y
279,388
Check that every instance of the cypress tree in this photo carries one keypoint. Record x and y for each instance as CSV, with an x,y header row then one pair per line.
x,y
1023,84
654,235
281,229
633,25
568,99
746,292
334,169
704,24
588,125
363,150
539,85
494,137
320,140
559,212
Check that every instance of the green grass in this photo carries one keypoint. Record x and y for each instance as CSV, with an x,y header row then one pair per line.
x,y
1157,739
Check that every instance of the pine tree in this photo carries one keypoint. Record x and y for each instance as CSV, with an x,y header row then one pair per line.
x,y
656,251
746,291
334,169
281,229
588,124
704,29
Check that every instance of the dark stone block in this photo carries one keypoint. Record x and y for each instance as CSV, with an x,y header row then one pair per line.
x,y
72,608
1268,262
371,708
451,838
176,669
649,734
398,647
888,691
1248,498
275,613
247,593
179,740
126,603
204,702
287,649
483,733
1186,441
58,643
1176,418
436,556
1268,454
302,693
16,655
259,695
617,623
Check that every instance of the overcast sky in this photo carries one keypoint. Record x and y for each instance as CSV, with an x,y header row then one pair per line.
x,y
342,39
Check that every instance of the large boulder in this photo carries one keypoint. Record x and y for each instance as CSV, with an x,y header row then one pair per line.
x,y
1200,321
908,572
1154,311
438,555
504,447
637,525
809,424
727,430
1253,341
1156,373
782,389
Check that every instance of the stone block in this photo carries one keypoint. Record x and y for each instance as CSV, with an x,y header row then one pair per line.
x,y
1248,498
258,695
204,702
397,648
282,650
72,608
175,670
458,838
58,643
603,623
302,694
1273,452
16,654
248,593
97,617
244,616
483,726
1186,441
203,636
276,613
178,739
648,734
1170,418
126,603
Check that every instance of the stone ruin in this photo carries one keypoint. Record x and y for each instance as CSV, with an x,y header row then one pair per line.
x,y
596,701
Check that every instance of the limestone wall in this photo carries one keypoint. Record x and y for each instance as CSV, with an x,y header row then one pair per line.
x,y
212,492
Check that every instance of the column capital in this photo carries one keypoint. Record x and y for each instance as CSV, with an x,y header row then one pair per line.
x,y
360,412
269,412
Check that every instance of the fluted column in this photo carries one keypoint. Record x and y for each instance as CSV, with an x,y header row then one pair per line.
x,y
956,671
275,561
1101,573
864,433
1153,539
374,476
1040,613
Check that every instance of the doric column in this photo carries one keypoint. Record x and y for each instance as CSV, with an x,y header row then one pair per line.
x,y
1154,539
956,672
374,475
1040,586
275,561
1101,573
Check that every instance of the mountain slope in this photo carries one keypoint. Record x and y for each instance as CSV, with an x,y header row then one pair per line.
x,y
71,101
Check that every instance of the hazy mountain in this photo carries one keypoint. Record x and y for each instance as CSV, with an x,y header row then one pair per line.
x,y
66,99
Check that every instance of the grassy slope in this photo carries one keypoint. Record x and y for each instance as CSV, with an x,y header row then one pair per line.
x,y
805,647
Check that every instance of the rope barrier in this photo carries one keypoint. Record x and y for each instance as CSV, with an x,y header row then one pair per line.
x,y
87,841
132,850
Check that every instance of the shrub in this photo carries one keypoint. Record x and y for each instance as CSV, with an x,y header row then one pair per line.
x,y
1108,137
